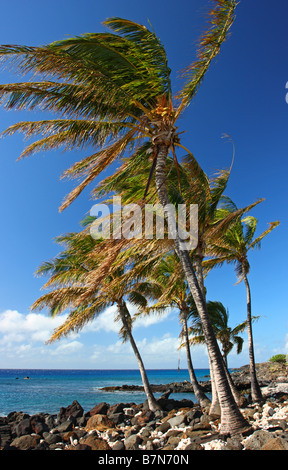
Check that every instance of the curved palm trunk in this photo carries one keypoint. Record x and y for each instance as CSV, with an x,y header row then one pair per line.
x,y
152,403
232,420
255,388
202,399
240,400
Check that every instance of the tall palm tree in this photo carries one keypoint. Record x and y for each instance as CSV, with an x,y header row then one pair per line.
x,y
208,193
233,248
113,91
213,222
68,273
196,187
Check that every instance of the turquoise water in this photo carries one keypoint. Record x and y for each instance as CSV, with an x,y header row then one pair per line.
x,y
48,390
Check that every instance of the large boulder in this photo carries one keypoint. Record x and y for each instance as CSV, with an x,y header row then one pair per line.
x,y
163,427
177,420
100,409
94,442
52,438
65,426
72,412
143,417
23,427
276,443
118,445
50,421
25,442
132,442
257,440
117,418
38,424
99,422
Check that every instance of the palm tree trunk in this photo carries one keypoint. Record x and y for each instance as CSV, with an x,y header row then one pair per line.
x,y
215,406
237,396
232,420
240,399
152,403
224,355
200,395
255,388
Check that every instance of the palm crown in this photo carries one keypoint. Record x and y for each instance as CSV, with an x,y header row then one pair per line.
x,y
227,336
234,245
112,91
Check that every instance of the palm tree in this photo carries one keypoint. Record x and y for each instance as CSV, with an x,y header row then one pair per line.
x,y
68,274
169,289
196,187
213,222
234,248
113,91
227,336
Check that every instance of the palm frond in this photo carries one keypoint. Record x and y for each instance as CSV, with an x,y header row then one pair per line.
x,y
221,20
249,228
218,185
68,133
256,243
89,59
66,99
77,319
222,226
108,156
147,41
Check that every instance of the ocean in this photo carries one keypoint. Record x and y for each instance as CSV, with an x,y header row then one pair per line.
x,y
34,391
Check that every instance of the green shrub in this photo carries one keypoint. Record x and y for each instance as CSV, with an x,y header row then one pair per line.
x,y
280,358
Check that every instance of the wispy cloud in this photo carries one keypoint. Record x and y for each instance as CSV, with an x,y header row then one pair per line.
x,y
23,337
106,321
22,343
18,327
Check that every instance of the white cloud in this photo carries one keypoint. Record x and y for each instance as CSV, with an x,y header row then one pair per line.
x,y
68,348
155,352
166,345
106,320
16,327
98,353
120,348
23,349
23,336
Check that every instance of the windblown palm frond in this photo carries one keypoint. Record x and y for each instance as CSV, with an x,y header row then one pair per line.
x,y
221,20
111,91
82,283
234,245
256,243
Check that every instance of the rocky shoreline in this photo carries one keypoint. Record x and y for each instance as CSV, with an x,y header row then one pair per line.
x,y
181,426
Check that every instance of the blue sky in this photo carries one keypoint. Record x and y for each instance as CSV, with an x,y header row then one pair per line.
x,y
243,95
